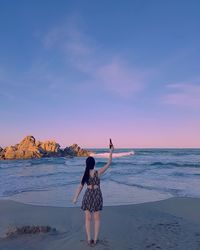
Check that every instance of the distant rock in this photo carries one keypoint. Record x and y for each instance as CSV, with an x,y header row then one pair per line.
x,y
75,150
50,148
30,148
1,151
24,150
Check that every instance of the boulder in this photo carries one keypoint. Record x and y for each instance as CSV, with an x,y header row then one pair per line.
x,y
1,152
26,149
28,143
51,148
75,150
9,152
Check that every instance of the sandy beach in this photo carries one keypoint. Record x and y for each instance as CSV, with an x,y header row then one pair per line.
x,y
167,224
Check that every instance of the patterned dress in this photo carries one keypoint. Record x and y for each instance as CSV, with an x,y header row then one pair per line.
x,y
92,199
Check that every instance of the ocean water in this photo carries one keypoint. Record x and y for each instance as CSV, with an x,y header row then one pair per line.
x,y
135,176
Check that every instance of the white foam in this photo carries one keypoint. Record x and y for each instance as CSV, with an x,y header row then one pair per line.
x,y
114,155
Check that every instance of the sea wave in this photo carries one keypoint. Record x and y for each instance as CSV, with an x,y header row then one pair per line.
x,y
173,191
9,165
34,188
114,155
175,164
141,173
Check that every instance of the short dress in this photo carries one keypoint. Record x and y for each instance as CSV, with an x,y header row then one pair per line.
x,y
92,199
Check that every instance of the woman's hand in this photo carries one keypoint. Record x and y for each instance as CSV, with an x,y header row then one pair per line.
x,y
74,200
106,166
111,149
79,189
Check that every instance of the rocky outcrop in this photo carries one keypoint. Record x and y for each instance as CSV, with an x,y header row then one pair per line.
x,y
1,151
75,150
26,149
30,148
50,148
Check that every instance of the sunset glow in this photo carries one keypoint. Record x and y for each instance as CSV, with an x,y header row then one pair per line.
x,y
76,74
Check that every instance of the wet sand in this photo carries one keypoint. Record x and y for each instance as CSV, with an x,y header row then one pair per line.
x,y
168,224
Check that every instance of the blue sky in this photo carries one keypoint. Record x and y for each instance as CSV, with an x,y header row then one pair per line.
x,y
85,71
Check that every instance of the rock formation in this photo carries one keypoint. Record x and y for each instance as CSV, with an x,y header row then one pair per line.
x,y
24,150
75,150
1,151
30,148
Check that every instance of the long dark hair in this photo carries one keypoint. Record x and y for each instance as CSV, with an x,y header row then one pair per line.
x,y
90,162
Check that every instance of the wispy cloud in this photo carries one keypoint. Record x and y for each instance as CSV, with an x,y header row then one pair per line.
x,y
111,73
5,85
183,94
119,77
72,60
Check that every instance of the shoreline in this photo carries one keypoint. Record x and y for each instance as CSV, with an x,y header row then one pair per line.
x,y
172,223
78,204
4,199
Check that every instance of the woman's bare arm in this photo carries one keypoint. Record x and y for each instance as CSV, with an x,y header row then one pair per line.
x,y
105,167
78,191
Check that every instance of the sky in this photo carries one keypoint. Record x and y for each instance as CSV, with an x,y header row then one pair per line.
x,y
86,71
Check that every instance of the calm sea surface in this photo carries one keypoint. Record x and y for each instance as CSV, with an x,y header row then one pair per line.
x,y
146,175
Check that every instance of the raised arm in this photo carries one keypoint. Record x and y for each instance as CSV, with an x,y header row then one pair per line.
x,y
105,167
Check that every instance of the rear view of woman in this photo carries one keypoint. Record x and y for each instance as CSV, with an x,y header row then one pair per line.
x,y
92,201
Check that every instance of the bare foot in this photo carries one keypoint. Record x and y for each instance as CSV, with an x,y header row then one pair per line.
x,y
96,241
90,242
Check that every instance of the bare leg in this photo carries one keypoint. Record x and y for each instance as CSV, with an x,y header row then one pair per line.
x,y
96,225
88,224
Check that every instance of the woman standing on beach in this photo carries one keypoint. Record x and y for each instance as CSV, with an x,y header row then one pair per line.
x,y
92,201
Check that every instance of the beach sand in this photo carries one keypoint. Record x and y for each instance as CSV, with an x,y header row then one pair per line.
x,y
168,224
